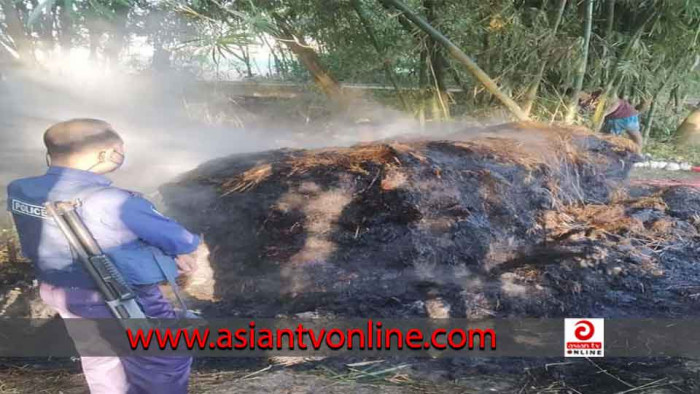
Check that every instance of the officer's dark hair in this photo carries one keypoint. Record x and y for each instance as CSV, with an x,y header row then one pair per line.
x,y
79,135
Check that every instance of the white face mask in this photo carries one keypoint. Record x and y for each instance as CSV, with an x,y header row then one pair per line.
x,y
119,161
121,158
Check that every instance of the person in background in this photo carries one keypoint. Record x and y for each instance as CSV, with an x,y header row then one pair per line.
x,y
145,246
620,116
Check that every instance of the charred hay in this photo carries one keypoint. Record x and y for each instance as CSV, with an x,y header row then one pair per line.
x,y
518,219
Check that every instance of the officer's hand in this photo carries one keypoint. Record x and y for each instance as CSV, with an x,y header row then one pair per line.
x,y
186,263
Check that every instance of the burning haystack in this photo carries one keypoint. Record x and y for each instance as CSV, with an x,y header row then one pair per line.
x,y
517,219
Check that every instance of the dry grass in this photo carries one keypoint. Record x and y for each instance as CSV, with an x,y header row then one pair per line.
x,y
565,132
607,218
25,379
247,180
648,202
410,150
504,150
529,145
609,222
619,143
352,159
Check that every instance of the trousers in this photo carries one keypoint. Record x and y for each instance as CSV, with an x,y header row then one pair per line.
x,y
122,375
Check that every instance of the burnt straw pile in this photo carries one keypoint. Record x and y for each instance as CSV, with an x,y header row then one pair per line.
x,y
512,220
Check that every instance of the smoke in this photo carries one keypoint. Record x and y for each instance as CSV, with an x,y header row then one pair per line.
x,y
165,131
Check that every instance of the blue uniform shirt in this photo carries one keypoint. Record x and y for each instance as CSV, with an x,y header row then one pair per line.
x,y
127,227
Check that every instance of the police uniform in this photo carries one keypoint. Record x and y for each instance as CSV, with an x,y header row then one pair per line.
x,y
141,242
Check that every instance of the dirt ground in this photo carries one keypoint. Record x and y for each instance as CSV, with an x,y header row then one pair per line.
x,y
658,376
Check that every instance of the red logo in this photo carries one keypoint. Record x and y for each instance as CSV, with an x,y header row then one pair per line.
x,y
584,337
584,330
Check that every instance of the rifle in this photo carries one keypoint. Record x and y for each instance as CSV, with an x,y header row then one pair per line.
x,y
118,296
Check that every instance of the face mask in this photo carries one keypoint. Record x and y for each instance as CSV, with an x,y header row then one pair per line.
x,y
119,161
120,158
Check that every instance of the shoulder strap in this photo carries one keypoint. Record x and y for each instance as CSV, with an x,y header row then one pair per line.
x,y
85,194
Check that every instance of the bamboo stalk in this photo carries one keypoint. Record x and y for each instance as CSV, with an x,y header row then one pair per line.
x,y
649,120
581,71
309,58
609,28
460,56
610,87
436,61
386,63
610,18
534,88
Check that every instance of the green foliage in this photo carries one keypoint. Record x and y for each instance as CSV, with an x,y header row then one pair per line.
x,y
90,8
648,50
664,149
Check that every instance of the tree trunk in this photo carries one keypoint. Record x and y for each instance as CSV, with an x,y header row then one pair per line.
x,y
44,25
66,33
437,64
117,35
609,28
460,56
279,66
422,82
94,35
47,24
581,71
15,29
386,62
610,19
649,120
245,55
309,58
422,70
532,91
675,98
458,80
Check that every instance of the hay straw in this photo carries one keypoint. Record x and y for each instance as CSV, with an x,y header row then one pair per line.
x,y
597,221
247,180
351,159
354,159
505,150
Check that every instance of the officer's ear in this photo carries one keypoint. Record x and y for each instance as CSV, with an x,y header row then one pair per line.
x,y
101,156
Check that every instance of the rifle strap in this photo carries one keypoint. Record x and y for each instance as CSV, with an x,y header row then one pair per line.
x,y
87,193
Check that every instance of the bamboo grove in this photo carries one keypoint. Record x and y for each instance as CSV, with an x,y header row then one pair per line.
x,y
438,58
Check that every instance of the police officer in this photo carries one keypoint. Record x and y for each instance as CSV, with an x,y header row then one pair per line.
x,y
146,247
